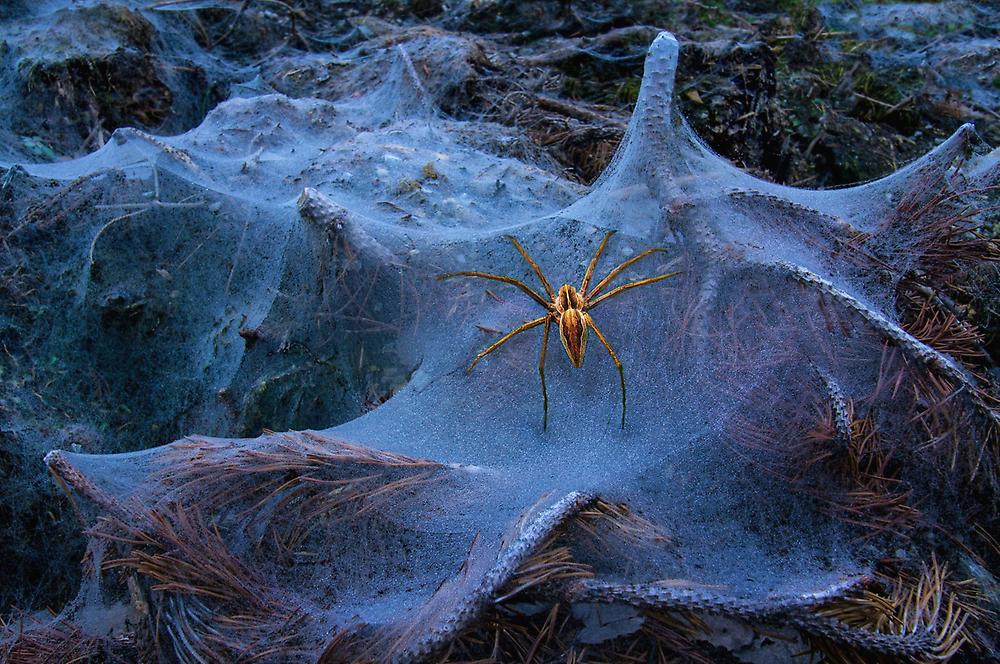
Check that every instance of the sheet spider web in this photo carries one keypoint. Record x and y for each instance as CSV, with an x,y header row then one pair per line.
x,y
802,410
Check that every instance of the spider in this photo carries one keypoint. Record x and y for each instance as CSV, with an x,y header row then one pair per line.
x,y
568,309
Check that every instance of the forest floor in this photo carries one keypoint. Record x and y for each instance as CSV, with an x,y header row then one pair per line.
x,y
810,94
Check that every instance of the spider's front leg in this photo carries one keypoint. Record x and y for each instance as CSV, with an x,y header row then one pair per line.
x,y
505,338
496,277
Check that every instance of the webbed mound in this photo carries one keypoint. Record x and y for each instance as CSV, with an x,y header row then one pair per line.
x,y
792,429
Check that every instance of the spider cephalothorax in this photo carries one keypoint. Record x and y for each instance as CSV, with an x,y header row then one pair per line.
x,y
568,309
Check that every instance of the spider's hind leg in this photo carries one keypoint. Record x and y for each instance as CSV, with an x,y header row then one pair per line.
x,y
541,372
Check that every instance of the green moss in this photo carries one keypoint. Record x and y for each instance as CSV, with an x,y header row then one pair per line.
x,y
37,147
628,91
797,11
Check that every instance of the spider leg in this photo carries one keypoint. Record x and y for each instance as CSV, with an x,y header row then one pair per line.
x,y
618,270
625,287
507,280
593,264
534,266
541,372
527,326
614,358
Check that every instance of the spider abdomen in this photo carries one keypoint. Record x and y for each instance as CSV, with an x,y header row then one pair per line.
x,y
573,324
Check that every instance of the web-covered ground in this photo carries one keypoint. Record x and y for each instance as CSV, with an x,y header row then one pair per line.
x,y
809,443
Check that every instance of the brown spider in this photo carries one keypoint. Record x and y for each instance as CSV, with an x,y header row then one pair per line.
x,y
568,308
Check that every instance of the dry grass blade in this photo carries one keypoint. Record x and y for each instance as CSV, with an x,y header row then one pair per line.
x,y
212,605
287,485
948,227
943,330
602,520
549,634
822,448
507,635
928,618
59,642
598,527
664,637
550,565
279,491
527,623
875,498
